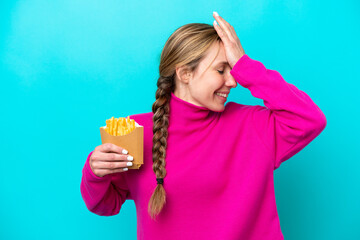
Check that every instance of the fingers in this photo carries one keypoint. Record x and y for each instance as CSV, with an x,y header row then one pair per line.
x,y
103,172
109,147
105,163
110,165
225,28
111,157
219,31
223,24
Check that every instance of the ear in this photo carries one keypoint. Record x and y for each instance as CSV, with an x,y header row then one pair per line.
x,y
183,74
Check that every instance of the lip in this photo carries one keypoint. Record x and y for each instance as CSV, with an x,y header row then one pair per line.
x,y
221,98
223,92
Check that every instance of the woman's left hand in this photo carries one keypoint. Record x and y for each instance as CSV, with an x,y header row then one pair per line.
x,y
233,49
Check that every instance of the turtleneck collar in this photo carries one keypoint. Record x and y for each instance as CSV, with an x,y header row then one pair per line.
x,y
187,114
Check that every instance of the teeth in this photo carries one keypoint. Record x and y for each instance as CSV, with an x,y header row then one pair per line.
x,y
221,94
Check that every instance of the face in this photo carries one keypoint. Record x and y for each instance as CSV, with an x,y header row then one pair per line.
x,y
211,76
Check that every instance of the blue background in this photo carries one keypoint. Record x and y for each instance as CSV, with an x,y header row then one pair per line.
x,y
66,66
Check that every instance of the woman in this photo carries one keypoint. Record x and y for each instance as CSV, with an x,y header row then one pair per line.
x,y
213,164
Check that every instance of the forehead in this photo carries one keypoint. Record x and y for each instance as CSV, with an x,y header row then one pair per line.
x,y
214,56
216,51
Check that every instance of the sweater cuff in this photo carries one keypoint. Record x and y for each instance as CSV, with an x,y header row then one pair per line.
x,y
243,63
91,175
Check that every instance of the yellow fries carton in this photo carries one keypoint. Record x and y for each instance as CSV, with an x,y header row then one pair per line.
x,y
128,134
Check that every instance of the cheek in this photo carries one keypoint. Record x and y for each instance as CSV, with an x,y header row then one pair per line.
x,y
217,85
207,86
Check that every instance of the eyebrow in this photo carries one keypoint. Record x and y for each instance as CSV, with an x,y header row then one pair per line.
x,y
222,63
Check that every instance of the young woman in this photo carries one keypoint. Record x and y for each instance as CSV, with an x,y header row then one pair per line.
x,y
208,167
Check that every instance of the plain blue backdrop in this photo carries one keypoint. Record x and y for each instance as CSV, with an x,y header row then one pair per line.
x,y
66,66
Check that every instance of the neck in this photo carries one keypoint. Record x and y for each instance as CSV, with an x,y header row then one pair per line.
x,y
187,115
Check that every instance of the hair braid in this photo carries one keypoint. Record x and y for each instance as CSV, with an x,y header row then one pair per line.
x,y
160,109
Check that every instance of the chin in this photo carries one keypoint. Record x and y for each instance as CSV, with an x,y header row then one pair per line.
x,y
221,108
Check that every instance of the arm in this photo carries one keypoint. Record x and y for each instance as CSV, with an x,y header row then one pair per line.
x,y
290,120
100,194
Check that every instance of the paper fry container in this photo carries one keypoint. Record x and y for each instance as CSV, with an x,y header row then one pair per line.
x,y
133,142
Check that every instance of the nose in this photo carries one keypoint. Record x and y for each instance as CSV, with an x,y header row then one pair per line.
x,y
230,81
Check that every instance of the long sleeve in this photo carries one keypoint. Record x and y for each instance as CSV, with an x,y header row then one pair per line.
x,y
290,120
105,195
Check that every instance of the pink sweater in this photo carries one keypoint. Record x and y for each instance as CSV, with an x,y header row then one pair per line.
x,y
219,182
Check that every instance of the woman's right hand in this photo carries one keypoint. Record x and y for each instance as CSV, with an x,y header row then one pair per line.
x,y
109,158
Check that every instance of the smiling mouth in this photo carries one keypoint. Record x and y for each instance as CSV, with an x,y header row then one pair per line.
x,y
224,95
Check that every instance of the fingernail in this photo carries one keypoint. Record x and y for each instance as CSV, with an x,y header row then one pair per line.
x,y
124,151
130,158
215,23
125,169
129,164
216,14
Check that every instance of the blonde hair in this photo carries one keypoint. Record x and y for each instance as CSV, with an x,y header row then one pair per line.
x,y
186,46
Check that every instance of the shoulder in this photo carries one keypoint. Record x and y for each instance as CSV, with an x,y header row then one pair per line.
x,y
143,119
233,109
237,108
231,106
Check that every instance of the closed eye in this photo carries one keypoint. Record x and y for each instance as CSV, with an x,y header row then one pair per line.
x,y
221,72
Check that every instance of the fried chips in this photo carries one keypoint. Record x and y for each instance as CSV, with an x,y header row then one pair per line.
x,y
119,127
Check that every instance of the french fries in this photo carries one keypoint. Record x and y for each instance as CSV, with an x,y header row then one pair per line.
x,y
117,132
119,127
